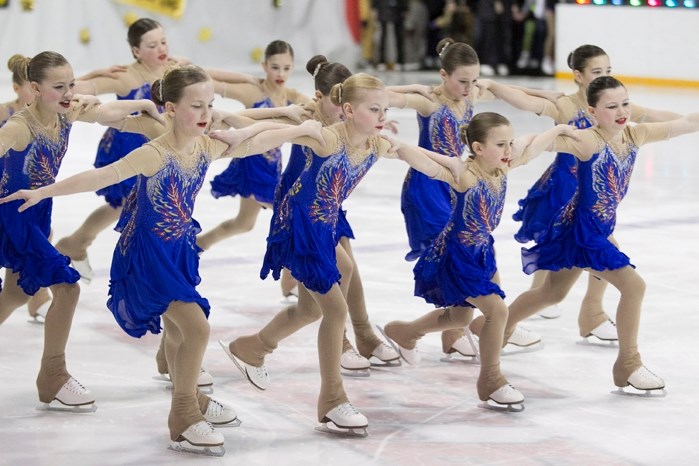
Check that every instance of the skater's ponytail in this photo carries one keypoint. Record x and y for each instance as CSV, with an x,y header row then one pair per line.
x,y
454,54
326,74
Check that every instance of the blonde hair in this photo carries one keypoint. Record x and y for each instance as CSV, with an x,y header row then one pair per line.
x,y
352,88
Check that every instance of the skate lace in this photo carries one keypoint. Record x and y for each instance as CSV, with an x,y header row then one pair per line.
x,y
75,387
353,354
261,371
203,428
214,408
347,410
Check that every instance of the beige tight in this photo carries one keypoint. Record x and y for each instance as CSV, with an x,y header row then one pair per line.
x,y
494,310
53,373
242,223
75,246
186,337
557,285
591,313
332,308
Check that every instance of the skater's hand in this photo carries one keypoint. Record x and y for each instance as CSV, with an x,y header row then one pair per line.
x,y
455,165
296,113
392,126
151,110
484,84
314,130
85,102
233,137
394,144
29,196
568,131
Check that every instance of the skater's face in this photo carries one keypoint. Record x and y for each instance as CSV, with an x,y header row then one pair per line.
x,y
368,113
56,91
612,111
153,50
461,82
192,114
278,68
496,151
594,68
331,112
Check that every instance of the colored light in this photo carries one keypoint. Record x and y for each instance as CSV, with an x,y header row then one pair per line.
x,y
582,2
617,2
635,2
653,2
671,3
690,3
599,2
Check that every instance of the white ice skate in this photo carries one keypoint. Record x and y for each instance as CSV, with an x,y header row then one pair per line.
x,y
522,341
467,347
221,415
410,356
384,356
603,335
72,397
643,383
551,312
205,381
257,376
200,438
505,398
40,316
344,420
84,269
354,364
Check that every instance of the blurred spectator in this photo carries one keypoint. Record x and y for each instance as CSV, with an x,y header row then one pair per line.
x,y
494,20
532,15
435,9
416,22
366,34
391,13
456,21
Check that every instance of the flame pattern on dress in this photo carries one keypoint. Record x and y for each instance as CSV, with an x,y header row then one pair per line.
x,y
444,128
611,175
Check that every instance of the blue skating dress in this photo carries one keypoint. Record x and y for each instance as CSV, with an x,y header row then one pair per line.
x,y
303,231
579,237
156,259
553,190
114,145
254,176
24,244
425,202
460,262
301,157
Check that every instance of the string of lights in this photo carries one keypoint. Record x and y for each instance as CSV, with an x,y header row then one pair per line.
x,y
642,3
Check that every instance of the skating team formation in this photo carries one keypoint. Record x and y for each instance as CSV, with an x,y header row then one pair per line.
x,y
164,132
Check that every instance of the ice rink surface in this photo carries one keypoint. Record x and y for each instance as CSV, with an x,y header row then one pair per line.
x,y
425,415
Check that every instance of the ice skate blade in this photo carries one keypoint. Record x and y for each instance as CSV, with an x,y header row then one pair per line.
x,y
511,349
643,393
355,373
594,341
239,365
351,432
459,358
504,408
186,447
206,389
376,362
56,405
36,320
234,423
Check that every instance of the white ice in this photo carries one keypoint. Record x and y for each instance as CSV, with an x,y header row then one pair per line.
x,y
418,416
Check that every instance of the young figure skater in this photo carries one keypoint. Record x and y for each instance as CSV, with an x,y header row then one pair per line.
x,y
33,143
425,202
558,184
325,76
254,179
457,272
159,234
581,233
303,239
149,48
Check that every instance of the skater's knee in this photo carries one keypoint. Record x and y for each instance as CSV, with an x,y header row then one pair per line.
x,y
496,314
633,284
552,295
70,292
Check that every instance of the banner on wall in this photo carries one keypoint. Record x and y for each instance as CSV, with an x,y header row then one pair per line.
x,y
173,8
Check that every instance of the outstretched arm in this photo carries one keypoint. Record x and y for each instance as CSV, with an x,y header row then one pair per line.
x,y
430,163
513,96
87,181
685,125
264,136
529,147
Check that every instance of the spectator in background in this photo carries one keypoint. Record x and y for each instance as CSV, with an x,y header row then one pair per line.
x,y
494,19
415,28
366,33
435,9
391,12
